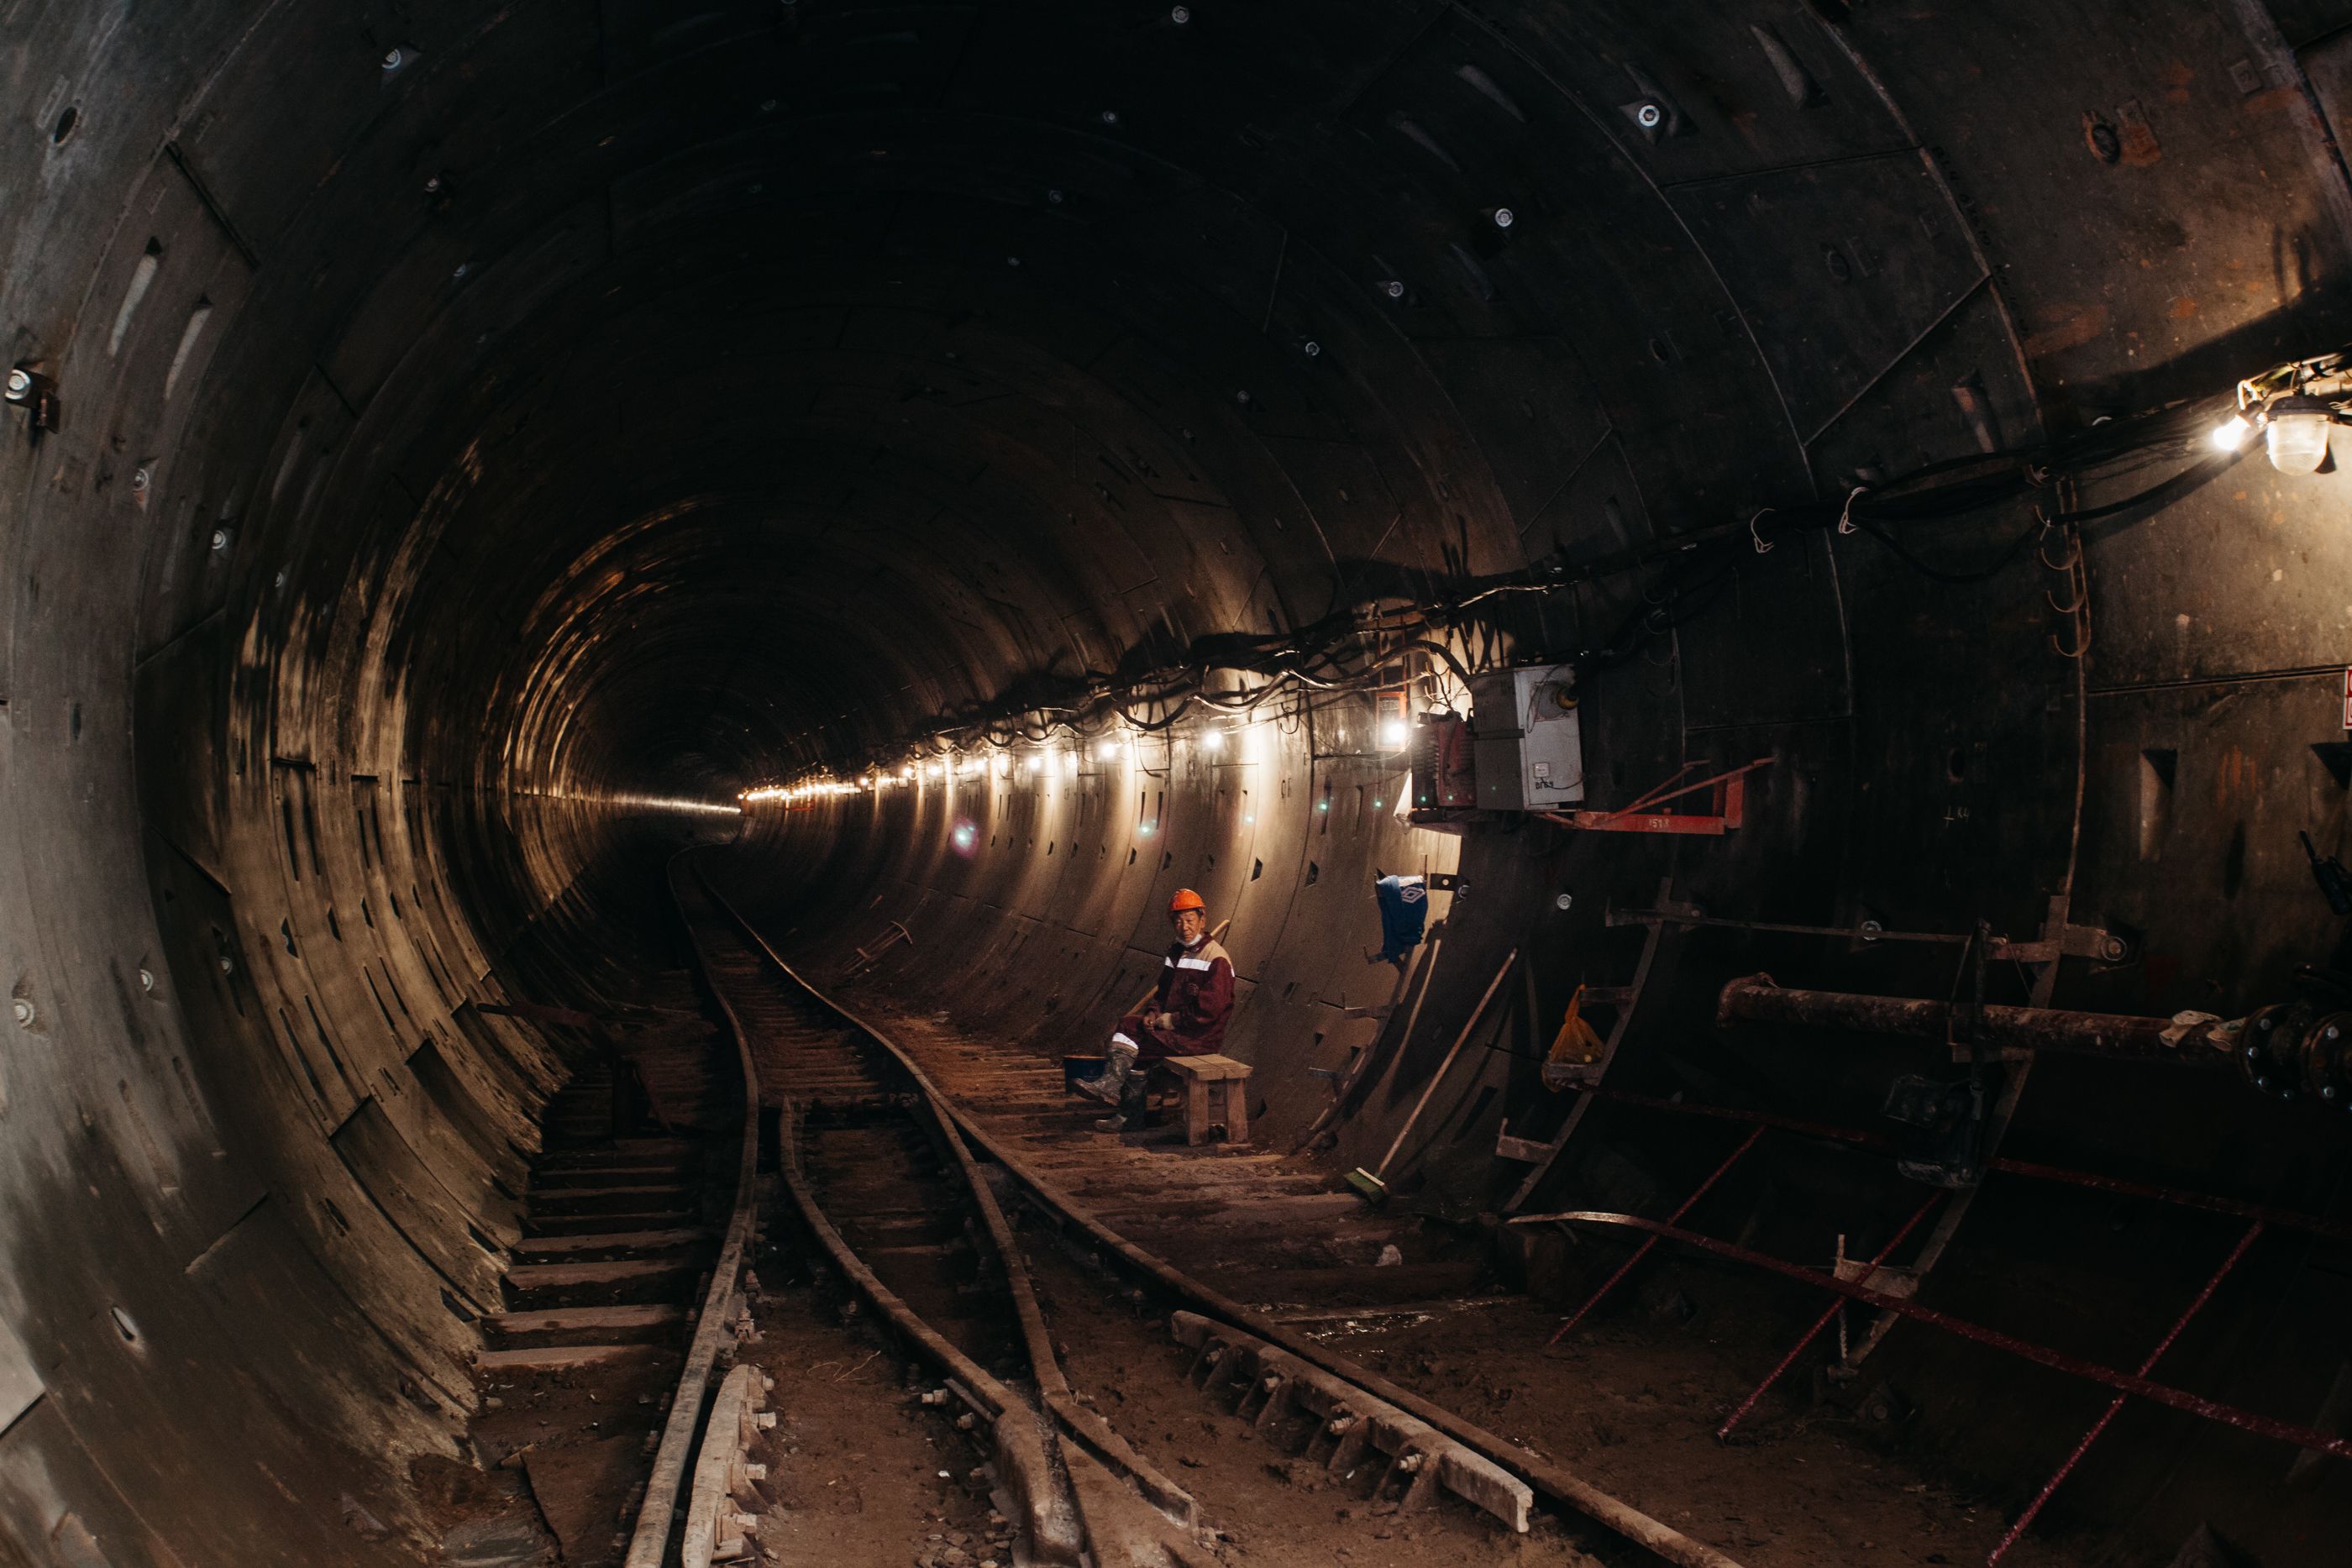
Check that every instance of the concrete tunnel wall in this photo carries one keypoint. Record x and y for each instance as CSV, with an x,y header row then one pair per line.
x,y
474,422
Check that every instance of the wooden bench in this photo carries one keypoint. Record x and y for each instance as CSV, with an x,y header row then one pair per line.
x,y
1216,1094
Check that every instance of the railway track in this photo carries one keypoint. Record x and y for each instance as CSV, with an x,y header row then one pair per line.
x,y
619,1294
905,1205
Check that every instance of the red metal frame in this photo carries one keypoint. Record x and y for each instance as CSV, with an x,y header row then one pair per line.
x,y
1644,1249
2259,1218
2116,1404
1823,1322
2041,1354
1730,801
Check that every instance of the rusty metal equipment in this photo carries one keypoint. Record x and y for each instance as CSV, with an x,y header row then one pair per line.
x,y
866,959
2115,1406
2028,1350
1755,998
1444,777
2296,1048
1868,1274
1360,1425
717,1516
1892,1288
1644,1249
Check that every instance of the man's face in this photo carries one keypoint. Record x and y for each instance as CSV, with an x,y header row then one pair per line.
x,y
1191,924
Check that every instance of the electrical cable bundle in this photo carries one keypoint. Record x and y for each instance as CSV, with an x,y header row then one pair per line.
x,y
1353,647
1699,566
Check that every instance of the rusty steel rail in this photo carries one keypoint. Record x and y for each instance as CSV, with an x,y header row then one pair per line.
x,y
1071,1507
681,1429
1545,1477
715,1530
1019,1445
2123,1037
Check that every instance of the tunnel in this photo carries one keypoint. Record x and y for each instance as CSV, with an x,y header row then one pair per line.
x,y
943,477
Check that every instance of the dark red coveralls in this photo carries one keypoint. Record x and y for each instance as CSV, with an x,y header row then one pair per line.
x,y
1196,986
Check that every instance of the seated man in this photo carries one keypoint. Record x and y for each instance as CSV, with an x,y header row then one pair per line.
x,y
1185,1017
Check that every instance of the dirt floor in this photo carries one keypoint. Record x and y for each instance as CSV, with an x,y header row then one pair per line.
x,y
1630,1402
1634,1419
1633,1411
1259,1503
859,1470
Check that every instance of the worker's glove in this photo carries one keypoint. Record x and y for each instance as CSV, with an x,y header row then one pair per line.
x,y
1162,1020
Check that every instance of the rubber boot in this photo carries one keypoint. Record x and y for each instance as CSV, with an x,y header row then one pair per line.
x,y
1118,1067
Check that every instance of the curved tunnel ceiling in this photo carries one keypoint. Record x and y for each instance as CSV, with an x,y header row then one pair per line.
x,y
471,420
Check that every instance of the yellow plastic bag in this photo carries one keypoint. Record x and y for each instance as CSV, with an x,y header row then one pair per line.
x,y
1574,1051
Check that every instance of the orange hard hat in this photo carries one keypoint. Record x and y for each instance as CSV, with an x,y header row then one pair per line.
x,y
1185,899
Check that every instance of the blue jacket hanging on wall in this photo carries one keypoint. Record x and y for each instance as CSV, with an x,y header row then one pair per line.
x,y
1405,914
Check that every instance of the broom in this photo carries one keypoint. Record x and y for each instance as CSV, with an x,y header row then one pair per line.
x,y
1372,1186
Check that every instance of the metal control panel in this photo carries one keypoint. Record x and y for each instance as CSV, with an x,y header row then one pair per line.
x,y
1527,738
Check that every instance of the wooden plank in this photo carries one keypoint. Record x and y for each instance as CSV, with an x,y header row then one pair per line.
x,y
537,1246
606,1271
561,1357
1209,1068
654,1324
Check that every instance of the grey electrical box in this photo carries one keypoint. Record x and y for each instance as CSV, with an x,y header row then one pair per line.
x,y
1527,741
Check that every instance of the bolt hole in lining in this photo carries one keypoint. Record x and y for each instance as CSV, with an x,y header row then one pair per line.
x,y
1956,764
124,1326
67,119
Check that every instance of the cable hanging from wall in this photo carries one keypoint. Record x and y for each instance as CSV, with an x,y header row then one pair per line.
x,y
1353,647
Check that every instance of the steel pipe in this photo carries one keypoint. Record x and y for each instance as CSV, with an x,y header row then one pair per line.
x,y
2123,1037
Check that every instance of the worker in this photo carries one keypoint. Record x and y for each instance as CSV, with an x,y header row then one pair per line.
x,y
1185,1017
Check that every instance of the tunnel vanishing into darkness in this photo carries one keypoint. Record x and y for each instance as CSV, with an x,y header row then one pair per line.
x,y
480,436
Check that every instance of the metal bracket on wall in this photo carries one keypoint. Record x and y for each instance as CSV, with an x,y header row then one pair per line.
x,y
2071,941
2019,1067
36,393
1727,795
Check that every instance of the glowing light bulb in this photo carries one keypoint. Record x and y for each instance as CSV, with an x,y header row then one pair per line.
x,y
1036,763
2297,433
1110,749
2231,432
1394,733
1214,740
